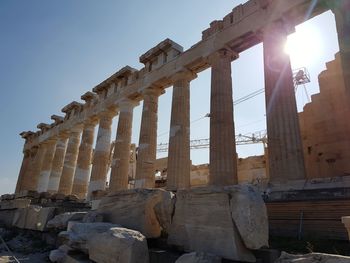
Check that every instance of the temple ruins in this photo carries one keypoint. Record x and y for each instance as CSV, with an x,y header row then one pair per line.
x,y
306,158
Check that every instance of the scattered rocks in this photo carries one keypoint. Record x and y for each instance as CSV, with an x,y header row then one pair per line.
x,y
312,258
196,257
118,245
145,210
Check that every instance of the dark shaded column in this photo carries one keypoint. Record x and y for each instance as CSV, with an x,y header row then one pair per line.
x,y
223,159
286,161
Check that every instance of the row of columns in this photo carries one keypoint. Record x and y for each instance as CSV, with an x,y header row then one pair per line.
x,y
59,164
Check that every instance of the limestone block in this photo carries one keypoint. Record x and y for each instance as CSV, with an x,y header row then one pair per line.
x,y
15,203
249,213
19,218
145,210
37,217
195,257
79,233
312,258
33,217
118,245
204,221
61,221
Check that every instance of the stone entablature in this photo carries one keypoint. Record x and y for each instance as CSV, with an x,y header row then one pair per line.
x,y
268,21
238,31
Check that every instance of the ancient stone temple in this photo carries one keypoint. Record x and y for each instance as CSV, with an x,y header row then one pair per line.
x,y
60,157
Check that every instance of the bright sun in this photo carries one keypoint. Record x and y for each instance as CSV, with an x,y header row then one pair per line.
x,y
304,46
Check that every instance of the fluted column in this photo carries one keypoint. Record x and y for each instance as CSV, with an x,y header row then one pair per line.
x,y
283,133
102,153
121,156
26,182
341,10
23,171
82,172
57,163
33,179
46,166
179,160
70,162
223,159
146,157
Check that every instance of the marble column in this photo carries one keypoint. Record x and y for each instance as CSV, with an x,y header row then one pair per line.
x,y
283,133
146,157
223,158
26,183
179,159
57,164
23,171
121,157
102,153
82,172
341,10
47,165
70,162
33,179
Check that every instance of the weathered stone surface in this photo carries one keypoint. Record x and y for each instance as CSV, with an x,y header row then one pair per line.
x,y
312,258
195,257
92,217
250,216
79,233
61,221
15,203
118,245
33,217
205,222
145,210
6,217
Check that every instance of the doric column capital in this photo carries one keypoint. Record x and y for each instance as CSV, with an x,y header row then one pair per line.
x,y
108,113
153,91
127,105
91,122
281,26
223,53
184,74
77,128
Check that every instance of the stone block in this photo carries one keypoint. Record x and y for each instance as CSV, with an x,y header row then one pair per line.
x,y
118,245
145,210
15,203
27,193
19,218
78,234
312,258
33,217
206,220
195,257
6,217
61,221
95,204
249,213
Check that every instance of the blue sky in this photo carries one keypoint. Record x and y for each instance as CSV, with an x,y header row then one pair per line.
x,y
51,52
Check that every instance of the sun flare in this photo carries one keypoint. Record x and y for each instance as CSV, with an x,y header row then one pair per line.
x,y
304,46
